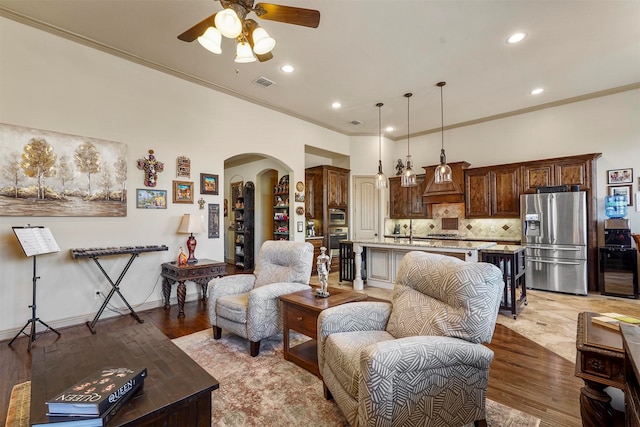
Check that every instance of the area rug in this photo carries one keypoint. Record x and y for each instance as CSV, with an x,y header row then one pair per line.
x,y
265,391
269,391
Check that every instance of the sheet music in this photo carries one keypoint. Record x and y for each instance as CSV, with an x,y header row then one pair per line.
x,y
36,240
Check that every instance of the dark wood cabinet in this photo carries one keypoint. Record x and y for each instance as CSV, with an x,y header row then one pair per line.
x,y
313,194
406,202
492,192
477,193
575,170
337,188
537,175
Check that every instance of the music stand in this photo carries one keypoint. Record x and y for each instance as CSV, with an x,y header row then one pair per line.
x,y
34,240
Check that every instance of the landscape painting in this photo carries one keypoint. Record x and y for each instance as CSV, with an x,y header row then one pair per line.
x,y
47,173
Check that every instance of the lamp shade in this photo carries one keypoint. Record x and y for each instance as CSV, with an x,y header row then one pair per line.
x,y
191,224
211,40
262,42
244,53
228,23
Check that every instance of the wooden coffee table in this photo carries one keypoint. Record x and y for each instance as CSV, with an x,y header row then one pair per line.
x,y
300,311
177,391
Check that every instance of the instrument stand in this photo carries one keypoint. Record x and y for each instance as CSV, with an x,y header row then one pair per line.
x,y
115,287
32,322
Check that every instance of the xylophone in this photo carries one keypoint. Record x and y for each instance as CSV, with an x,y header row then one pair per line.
x,y
95,253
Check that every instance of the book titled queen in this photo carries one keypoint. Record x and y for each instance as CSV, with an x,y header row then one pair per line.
x,y
96,393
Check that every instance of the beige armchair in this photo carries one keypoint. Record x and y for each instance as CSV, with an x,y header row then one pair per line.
x,y
248,305
417,361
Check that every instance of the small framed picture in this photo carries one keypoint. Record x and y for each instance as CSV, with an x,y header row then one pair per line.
x,y
182,192
620,176
151,199
622,190
208,184
183,167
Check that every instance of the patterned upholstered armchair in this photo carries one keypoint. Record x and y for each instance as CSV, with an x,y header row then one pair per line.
x,y
247,304
418,361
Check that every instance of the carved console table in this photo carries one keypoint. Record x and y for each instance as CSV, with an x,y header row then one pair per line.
x,y
200,272
600,364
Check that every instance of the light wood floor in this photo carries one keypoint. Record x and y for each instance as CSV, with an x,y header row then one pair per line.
x,y
524,375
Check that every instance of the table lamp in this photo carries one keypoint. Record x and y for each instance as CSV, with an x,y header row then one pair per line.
x,y
191,224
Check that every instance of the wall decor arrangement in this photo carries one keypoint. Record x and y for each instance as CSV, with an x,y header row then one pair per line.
x,y
183,167
151,167
182,192
620,176
214,221
46,173
208,184
151,199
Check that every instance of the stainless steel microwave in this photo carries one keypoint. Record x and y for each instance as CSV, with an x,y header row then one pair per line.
x,y
337,217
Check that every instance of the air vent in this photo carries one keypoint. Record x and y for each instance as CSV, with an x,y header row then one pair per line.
x,y
263,81
356,122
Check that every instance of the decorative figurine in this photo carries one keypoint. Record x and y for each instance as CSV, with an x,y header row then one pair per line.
x,y
399,167
201,203
324,265
151,168
182,257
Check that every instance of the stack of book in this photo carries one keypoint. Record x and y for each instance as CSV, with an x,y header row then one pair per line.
x,y
96,399
613,320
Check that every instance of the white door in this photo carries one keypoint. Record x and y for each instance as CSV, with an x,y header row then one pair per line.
x,y
366,212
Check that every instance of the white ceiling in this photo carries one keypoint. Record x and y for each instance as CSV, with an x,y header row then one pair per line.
x,y
369,51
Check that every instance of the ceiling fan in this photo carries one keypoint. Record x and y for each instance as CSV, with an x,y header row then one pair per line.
x,y
252,40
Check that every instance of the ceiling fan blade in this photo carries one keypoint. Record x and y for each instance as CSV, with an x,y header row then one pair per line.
x,y
263,58
288,14
197,30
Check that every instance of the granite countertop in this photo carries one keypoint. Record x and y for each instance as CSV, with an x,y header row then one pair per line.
x,y
471,239
314,237
505,249
429,243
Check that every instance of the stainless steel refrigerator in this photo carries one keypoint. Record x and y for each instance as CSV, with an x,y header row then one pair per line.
x,y
554,230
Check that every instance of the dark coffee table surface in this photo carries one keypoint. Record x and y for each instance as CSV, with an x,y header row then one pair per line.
x,y
176,389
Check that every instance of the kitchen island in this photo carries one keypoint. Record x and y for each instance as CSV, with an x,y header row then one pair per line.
x,y
384,256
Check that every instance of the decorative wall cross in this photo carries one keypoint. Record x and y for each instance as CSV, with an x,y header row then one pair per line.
x,y
151,167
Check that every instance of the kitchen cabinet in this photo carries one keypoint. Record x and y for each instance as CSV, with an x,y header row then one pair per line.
x,y
313,194
406,202
337,188
492,192
576,170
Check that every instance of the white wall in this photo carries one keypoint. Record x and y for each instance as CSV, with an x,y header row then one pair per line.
x,y
609,125
50,83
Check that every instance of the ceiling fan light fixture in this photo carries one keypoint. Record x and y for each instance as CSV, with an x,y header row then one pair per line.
x,y
211,40
244,53
228,23
262,42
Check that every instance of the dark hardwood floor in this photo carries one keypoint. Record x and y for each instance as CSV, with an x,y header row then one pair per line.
x,y
524,375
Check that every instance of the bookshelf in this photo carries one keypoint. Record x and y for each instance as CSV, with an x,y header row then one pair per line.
x,y
281,209
243,216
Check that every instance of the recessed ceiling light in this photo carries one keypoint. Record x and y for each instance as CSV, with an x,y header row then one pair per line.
x,y
336,105
537,91
516,38
389,129
287,68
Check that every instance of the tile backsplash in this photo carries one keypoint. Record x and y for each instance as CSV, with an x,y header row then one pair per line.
x,y
489,228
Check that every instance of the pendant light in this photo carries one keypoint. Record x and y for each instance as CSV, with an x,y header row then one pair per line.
x,y
381,180
408,178
443,171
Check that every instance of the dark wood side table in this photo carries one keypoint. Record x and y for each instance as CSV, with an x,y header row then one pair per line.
x,y
176,392
631,342
600,364
300,311
200,272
